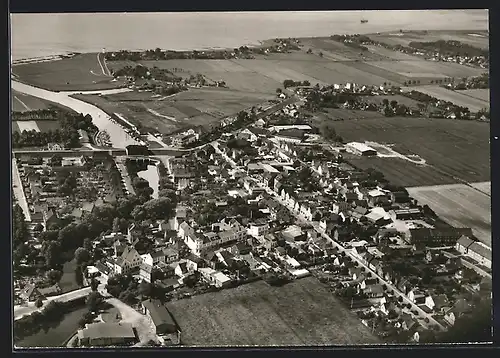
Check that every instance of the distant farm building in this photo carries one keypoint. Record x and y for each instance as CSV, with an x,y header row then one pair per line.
x,y
360,149
106,334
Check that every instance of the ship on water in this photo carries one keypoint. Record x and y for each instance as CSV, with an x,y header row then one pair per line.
x,y
364,21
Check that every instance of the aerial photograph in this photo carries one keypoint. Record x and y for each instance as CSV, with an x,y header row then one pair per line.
x,y
261,179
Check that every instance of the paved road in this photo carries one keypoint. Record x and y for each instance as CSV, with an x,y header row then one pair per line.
x,y
17,187
20,311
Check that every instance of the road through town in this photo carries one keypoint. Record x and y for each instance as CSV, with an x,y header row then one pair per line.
x,y
422,315
24,310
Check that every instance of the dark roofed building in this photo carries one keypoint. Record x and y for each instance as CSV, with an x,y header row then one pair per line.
x,y
160,316
437,237
106,334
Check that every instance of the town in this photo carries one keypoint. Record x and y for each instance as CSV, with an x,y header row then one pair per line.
x,y
275,203
304,191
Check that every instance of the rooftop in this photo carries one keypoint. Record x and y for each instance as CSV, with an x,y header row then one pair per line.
x,y
107,330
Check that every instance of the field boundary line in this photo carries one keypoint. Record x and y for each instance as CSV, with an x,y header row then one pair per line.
x,y
22,103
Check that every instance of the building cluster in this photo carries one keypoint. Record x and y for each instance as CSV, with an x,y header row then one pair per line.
x,y
379,224
66,186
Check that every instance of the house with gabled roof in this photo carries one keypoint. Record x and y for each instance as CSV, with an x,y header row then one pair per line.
x,y
159,316
30,293
128,261
459,309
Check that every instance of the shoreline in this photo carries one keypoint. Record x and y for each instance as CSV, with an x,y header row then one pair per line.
x,y
256,44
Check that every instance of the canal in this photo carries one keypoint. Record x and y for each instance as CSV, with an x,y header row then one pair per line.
x,y
151,175
57,335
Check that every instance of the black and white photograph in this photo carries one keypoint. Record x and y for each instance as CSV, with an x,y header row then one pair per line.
x,y
250,179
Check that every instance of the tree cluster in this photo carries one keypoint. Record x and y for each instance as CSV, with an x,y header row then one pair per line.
x,y
450,48
291,83
67,135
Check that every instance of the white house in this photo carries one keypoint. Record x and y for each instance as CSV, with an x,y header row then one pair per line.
x,y
258,228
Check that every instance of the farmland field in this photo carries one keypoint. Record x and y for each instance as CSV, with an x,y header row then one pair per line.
x,y
81,72
345,114
482,94
485,187
400,99
455,97
303,312
193,107
478,39
337,48
453,149
425,68
460,206
22,102
39,126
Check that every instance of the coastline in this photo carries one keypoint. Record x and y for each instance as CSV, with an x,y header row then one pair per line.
x,y
256,44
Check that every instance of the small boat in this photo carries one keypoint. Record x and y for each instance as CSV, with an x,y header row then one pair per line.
x,y
364,21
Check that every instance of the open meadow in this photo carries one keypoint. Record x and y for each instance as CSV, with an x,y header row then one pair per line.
x,y
38,126
460,206
427,69
454,150
81,72
196,107
478,39
22,102
482,94
456,97
302,312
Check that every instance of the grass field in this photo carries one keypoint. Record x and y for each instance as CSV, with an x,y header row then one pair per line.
x,y
455,97
423,68
345,114
303,312
39,126
22,102
338,51
452,148
81,72
482,94
468,37
68,281
193,107
460,206
400,99
485,187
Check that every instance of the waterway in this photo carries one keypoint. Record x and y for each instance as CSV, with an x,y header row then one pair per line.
x,y
54,337
62,33
151,175
118,137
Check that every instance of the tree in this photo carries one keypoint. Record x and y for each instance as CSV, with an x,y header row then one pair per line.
x,y
55,160
54,276
82,256
320,54
38,228
94,284
94,301
278,90
38,302
394,103
145,289
51,250
385,102
79,276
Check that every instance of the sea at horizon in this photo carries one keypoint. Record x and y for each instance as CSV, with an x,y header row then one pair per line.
x,y
40,35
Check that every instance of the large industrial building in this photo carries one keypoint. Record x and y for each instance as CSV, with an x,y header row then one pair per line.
x,y
360,149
